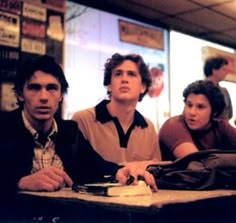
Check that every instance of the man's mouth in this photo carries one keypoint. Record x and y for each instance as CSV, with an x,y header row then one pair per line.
x,y
124,89
43,109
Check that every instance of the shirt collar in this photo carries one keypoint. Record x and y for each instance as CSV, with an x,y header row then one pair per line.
x,y
34,131
103,115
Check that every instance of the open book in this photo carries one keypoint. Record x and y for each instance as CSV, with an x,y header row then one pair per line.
x,y
114,189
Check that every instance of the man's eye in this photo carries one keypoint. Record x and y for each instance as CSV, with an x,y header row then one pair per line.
x,y
201,106
188,104
117,73
52,87
131,73
34,87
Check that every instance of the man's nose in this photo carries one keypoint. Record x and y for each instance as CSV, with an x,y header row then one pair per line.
x,y
43,93
124,77
192,110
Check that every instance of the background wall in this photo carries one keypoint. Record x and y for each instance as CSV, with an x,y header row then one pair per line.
x,y
93,36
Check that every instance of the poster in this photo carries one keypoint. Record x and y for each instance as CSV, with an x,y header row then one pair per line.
x,y
9,29
34,12
55,35
33,46
9,101
140,35
13,6
33,28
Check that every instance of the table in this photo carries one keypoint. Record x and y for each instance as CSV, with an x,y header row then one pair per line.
x,y
164,206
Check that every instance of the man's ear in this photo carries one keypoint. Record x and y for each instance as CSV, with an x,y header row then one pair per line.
x,y
109,89
214,115
61,98
143,89
20,97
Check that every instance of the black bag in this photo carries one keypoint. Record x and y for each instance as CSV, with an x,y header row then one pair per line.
x,y
209,169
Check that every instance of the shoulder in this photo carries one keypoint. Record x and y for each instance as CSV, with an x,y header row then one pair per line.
x,y
224,91
66,123
11,123
15,112
84,114
148,121
221,124
173,122
67,128
150,127
224,130
174,128
223,88
173,133
10,117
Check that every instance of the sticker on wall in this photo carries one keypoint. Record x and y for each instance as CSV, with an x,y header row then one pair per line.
x,y
11,6
34,12
140,35
9,29
33,46
55,30
8,99
157,82
33,28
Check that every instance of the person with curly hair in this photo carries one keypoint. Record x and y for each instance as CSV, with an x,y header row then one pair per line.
x,y
114,128
199,126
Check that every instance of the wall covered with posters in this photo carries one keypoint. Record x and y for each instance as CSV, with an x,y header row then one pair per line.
x,y
28,28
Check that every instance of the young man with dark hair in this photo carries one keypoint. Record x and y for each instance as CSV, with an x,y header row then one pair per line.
x,y
215,70
114,128
199,127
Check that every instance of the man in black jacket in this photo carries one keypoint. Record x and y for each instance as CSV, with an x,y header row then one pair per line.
x,y
40,151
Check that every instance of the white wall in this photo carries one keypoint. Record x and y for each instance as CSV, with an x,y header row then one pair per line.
x,y
186,66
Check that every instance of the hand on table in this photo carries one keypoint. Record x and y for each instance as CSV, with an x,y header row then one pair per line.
x,y
124,173
47,179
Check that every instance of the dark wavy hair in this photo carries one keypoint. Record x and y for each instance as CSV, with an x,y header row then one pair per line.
x,y
117,59
43,63
212,92
213,63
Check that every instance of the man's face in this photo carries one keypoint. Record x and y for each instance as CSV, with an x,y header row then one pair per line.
x,y
221,72
126,83
41,96
197,111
